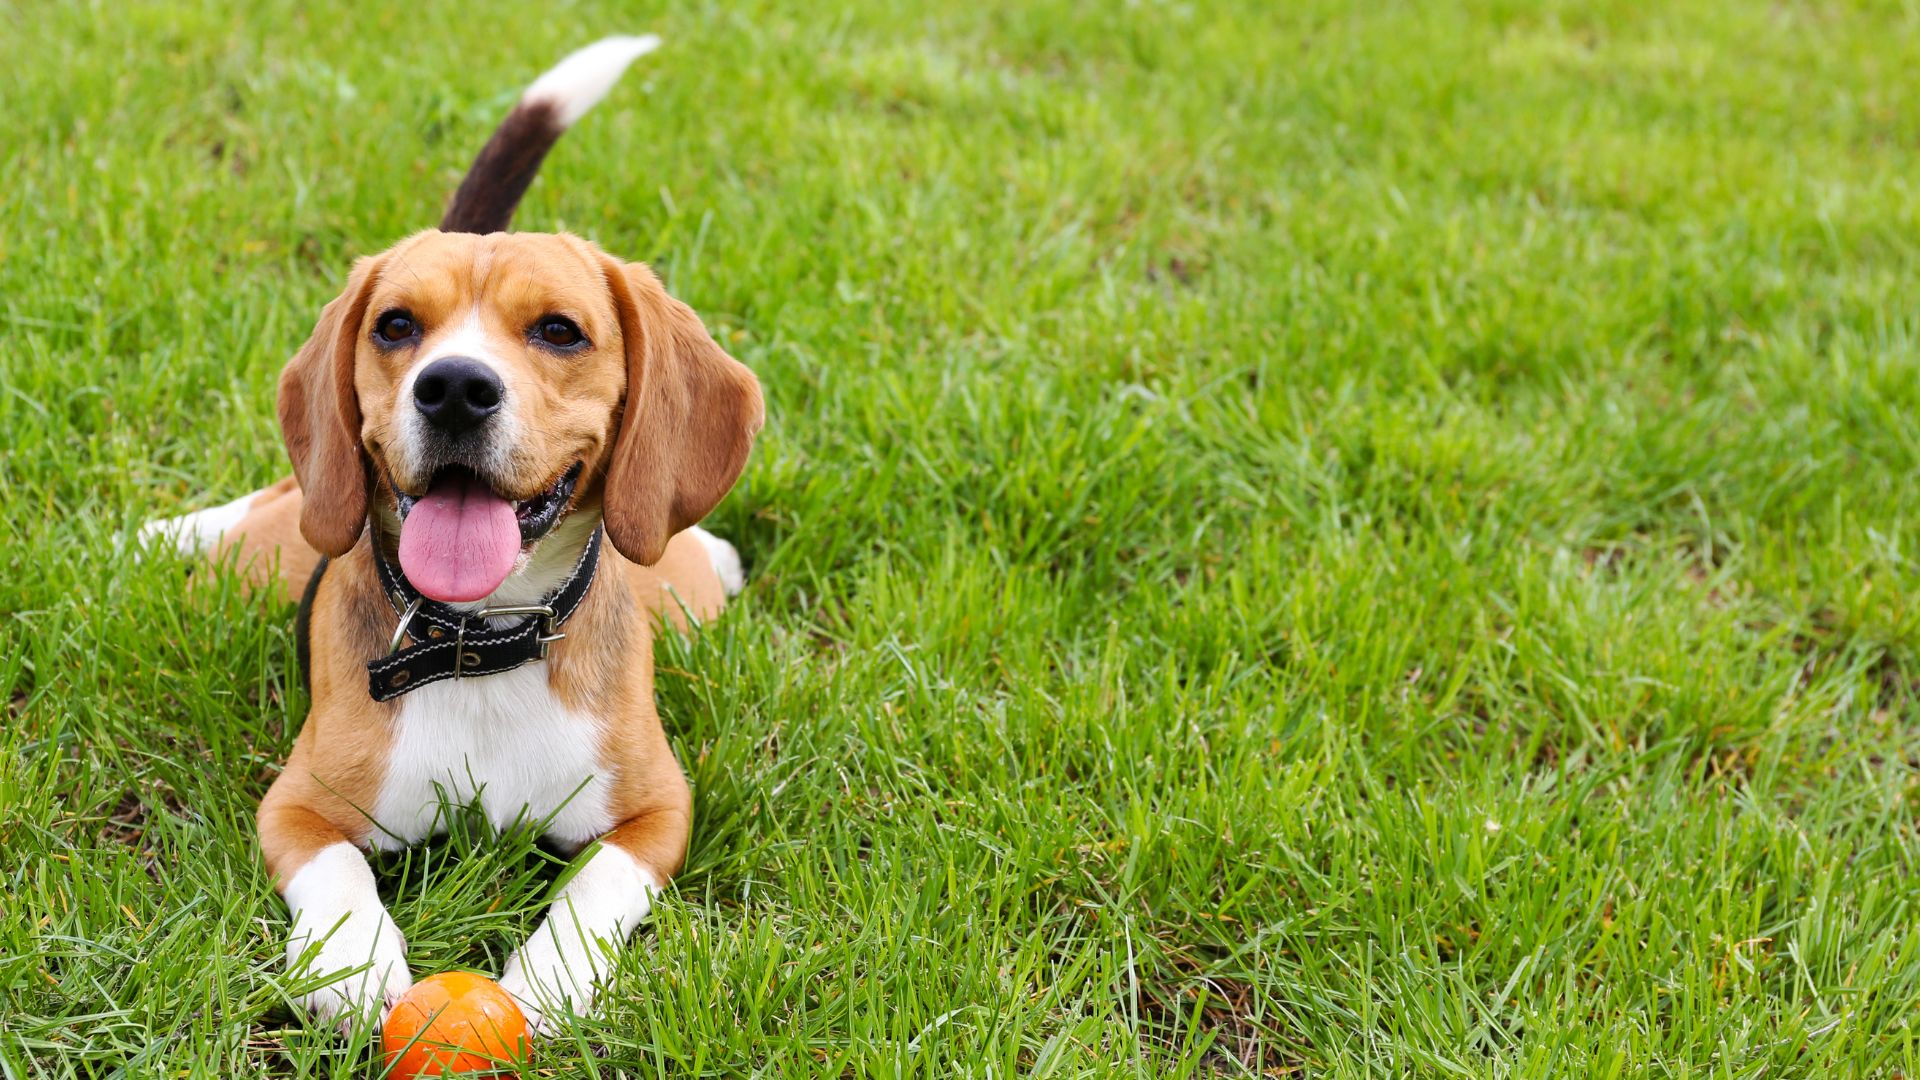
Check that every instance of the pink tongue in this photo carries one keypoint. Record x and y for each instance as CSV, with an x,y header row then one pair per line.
x,y
459,541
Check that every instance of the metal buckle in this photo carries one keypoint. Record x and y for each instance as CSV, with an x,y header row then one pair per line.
x,y
548,633
400,632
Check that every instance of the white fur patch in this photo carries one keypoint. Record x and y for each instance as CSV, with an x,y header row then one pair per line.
x,y
574,946
467,338
503,741
583,77
504,430
198,532
725,558
340,926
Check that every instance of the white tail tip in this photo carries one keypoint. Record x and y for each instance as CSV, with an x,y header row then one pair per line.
x,y
578,82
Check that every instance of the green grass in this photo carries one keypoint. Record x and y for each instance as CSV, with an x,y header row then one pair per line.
x,y
1342,541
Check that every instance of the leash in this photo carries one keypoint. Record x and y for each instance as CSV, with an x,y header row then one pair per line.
x,y
454,644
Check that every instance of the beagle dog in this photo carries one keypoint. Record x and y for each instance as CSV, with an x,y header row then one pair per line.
x,y
501,444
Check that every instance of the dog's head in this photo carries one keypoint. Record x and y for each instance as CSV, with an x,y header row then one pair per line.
x,y
477,389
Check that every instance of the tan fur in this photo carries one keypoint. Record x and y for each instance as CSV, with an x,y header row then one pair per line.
x,y
320,418
673,445
691,416
339,758
271,550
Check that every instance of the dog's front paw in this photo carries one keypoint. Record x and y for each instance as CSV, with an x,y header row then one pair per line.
x,y
546,985
573,948
342,934
369,964
539,1023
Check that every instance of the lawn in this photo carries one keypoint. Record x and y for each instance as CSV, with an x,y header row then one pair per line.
x,y
1291,540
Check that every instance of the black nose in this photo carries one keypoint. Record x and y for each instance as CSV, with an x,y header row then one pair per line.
x,y
455,393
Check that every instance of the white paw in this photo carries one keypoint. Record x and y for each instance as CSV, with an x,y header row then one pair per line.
x,y
372,970
725,559
551,976
555,972
534,1000
198,532
343,933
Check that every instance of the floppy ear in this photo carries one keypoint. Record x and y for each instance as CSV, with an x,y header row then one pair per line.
x,y
690,417
320,421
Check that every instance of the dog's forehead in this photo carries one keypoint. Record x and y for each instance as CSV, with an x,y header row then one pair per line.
x,y
456,270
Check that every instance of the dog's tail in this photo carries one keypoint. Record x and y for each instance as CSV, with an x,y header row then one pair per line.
x,y
506,165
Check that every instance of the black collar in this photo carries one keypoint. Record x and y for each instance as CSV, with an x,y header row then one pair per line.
x,y
454,644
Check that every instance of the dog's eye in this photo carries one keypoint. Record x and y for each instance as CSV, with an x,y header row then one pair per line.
x,y
395,327
559,332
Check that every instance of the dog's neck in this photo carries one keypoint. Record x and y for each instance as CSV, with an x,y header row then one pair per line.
x,y
536,575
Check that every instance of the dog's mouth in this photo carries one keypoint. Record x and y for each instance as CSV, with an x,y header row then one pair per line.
x,y
460,539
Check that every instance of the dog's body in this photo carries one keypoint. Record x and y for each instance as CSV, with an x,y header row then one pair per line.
x,y
474,409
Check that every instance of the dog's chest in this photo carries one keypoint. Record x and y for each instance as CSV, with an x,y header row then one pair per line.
x,y
502,742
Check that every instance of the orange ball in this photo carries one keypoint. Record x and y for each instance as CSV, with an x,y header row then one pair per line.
x,y
454,1022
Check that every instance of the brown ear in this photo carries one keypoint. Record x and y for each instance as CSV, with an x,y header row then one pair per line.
x,y
320,420
690,417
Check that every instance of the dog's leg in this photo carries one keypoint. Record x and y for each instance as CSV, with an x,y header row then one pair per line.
x,y
339,924
725,559
694,577
197,533
264,526
574,946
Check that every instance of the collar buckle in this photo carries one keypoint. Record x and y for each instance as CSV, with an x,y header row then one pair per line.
x,y
549,629
406,620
